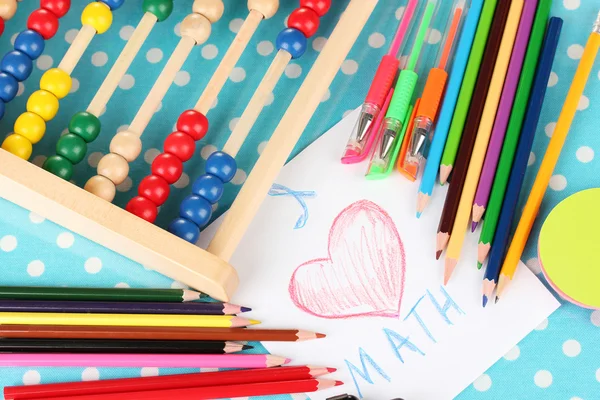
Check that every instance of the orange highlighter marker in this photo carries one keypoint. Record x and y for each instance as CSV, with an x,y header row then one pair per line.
x,y
408,173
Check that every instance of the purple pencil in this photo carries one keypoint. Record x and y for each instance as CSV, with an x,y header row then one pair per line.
x,y
504,110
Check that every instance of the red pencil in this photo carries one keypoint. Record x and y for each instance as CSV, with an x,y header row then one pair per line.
x,y
164,382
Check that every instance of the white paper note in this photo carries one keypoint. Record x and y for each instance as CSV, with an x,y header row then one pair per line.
x,y
356,264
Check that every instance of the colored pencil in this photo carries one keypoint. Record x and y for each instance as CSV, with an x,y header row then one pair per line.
x,y
222,378
220,392
517,175
115,307
472,124
199,321
155,333
466,65
119,346
550,158
513,133
514,40
98,294
141,360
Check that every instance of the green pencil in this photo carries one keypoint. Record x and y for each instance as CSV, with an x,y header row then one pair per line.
x,y
102,294
466,90
513,131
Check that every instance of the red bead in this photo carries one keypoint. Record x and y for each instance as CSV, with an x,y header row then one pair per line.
x,y
143,208
43,22
1,26
154,188
181,145
58,7
305,19
168,167
320,6
193,123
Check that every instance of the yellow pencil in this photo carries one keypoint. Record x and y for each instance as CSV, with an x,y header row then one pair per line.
x,y
542,179
483,137
197,321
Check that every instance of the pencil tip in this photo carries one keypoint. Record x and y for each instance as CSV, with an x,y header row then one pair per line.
x,y
320,335
445,173
438,254
339,383
449,269
474,226
247,347
238,322
190,295
496,301
331,370
485,300
419,214
479,265
245,309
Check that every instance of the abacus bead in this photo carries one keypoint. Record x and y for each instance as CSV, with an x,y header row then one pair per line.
x,y
113,4
18,64
8,8
168,167
102,187
267,8
97,15
293,41
211,9
57,82
143,208
208,186
320,6
197,27
185,229
180,145
305,19
59,166
71,147
43,22
18,145
30,126
2,108
127,144
8,87
43,103
85,125
221,165
31,43
193,123
1,26
60,8
161,9
154,188
114,167
197,209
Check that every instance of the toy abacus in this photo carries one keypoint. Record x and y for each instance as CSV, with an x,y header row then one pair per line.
x,y
130,232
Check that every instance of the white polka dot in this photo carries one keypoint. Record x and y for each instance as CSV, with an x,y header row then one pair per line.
x,y
239,177
571,4
531,160
99,59
513,354
178,285
233,123
8,243
376,40
553,80
319,43
35,218
543,379
598,374
549,129
90,374
235,25
571,348
534,265
183,181
126,32
543,325
595,318
65,240
584,103
150,155
182,78
74,85
483,383
575,398
31,377
21,89
399,13
122,285
326,96
558,182
93,265
434,36
293,71
238,74
207,151
585,154
265,48
270,99
125,186
127,82
261,147
349,67
94,159
210,51
70,35
177,29
149,371
35,268
575,51
44,62
39,160
154,55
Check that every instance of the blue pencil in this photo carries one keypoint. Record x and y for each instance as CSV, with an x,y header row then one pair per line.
x,y
517,175
447,112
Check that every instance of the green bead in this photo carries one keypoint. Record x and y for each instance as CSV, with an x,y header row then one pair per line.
x,y
59,166
85,125
72,147
160,8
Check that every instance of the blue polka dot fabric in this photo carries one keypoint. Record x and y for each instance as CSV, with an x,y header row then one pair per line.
x,y
559,360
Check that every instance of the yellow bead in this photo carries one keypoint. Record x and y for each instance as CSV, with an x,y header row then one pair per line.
x,y
57,82
43,103
97,15
18,145
30,126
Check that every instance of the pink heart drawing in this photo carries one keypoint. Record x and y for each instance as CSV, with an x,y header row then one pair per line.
x,y
364,273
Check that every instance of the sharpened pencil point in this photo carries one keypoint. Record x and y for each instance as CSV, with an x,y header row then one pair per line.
x,y
419,214
438,254
485,300
245,309
445,173
321,335
331,370
474,226
287,361
496,301
247,347
238,322
339,383
449,269
422,201
276,361
479,265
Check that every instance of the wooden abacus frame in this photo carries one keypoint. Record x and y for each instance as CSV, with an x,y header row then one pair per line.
x,y
37,190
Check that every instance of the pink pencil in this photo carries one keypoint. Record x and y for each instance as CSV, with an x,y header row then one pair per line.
x,y
245,361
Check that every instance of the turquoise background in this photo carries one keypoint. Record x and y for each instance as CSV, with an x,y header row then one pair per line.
x,y
559,360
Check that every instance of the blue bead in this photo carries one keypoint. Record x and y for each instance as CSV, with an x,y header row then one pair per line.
x,y
197,209
113,4
221,165
2,107
31,43
8,87
185,229
293,41
208,186
18,64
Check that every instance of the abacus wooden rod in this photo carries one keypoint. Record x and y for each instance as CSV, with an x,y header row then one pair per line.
x,y
78,47
290,128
